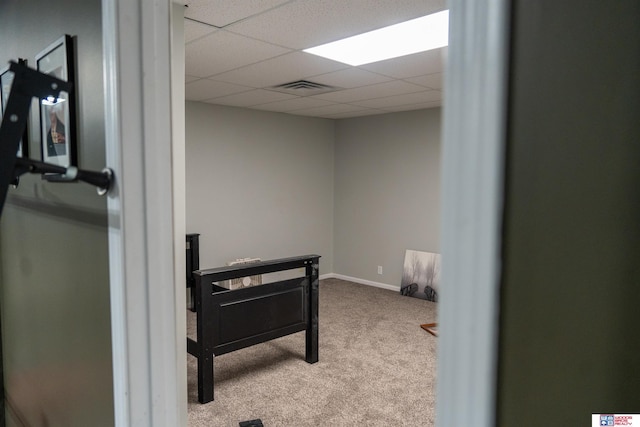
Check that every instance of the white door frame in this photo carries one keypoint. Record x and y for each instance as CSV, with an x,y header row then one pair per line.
x,y
145,301
178,161
473,162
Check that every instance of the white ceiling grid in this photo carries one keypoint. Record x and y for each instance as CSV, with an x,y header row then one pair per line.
x,y
238,50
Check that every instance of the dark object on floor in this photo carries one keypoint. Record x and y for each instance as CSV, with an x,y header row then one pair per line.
x,y
252,423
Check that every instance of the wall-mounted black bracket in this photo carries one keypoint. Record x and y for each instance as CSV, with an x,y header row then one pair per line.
x,y
54,173
27,84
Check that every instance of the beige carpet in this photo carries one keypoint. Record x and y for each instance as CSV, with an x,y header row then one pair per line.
x,y
377,368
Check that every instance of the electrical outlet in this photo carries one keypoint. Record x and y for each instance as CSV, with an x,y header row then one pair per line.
x,y
379,269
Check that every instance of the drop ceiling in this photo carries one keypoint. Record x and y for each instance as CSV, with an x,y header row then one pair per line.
x,y
239,51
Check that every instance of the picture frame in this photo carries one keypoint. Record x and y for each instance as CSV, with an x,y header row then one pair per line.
x,y
6,80
58,136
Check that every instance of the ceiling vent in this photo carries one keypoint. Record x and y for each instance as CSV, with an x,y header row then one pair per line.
x,y
304,88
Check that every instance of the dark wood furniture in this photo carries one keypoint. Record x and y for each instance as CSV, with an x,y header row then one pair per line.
x,y
193,263
228,320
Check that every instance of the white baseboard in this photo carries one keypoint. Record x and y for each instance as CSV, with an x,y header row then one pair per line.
x,y
361,281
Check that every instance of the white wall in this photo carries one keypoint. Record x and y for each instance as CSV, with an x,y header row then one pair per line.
x,y
387,192
259,184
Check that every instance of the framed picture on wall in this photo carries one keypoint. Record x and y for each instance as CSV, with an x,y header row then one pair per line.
x,y
6,79
58,115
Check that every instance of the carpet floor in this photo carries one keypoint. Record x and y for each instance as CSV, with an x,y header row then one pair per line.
x,y
377,368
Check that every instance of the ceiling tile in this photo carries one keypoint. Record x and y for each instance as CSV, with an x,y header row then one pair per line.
x,y
432,81
418,64
222,51
350,78
372,91
251,98
293,104
411,107
321,21
405,99
225,12
207,89
328,110
254,52
282,69
360,113
195,30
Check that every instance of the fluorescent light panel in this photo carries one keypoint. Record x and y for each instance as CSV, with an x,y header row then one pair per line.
x,y
417,35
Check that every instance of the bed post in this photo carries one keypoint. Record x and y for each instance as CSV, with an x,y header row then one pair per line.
x,y
193,263
311,354
205,328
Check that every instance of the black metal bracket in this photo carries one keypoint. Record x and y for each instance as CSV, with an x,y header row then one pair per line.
x,y
27,84
54,173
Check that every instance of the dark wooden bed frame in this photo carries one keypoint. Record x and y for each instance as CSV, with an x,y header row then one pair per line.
x,y
229,320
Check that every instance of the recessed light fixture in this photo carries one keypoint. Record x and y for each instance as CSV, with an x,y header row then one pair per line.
x,y
417,35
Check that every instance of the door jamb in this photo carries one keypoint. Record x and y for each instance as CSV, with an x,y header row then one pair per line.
x,y
475,111
138,123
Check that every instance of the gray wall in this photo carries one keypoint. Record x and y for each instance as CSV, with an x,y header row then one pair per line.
x,y
53,245
259,184
569,340
387,192
269,185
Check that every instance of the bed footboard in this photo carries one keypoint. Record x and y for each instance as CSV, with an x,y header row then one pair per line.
x,y
228,320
